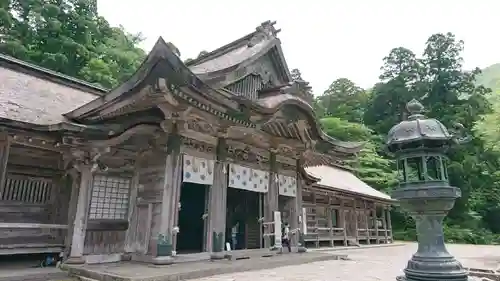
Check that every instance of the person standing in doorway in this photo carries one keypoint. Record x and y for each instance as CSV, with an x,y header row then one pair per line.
x,y
234,235
285,240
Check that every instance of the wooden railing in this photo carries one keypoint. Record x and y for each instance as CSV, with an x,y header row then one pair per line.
x,y
24,238
326,234
376,234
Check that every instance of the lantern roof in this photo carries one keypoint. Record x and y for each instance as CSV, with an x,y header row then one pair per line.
x,y
417,130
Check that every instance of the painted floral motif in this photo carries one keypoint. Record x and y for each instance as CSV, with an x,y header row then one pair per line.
x,y
287,186
198,170
248,179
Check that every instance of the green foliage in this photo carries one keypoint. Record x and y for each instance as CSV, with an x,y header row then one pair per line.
x,y
370,166
342,99
490,77
455,234
449,94
68,36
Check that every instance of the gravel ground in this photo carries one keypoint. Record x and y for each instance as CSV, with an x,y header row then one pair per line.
x,y
365,265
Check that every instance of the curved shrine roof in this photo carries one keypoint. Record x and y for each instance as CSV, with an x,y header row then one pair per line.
x,y
38,96
336,178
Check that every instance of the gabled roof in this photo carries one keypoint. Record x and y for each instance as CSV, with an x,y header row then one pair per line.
x,y
48,102
31,94
162,55
240,53
343,180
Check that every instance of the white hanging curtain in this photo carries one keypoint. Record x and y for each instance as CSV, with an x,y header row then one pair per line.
x,y
198,170
287,186
248,179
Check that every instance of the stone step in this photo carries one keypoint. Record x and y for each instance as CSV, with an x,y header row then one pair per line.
x,y
81,278
184,271
40,276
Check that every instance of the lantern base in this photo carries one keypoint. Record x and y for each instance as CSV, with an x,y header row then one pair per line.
x,y
404,278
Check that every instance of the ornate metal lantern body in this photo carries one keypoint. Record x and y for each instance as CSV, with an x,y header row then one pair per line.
x,y
419,145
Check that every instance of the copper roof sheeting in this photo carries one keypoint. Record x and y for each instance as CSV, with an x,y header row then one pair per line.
x,y
30,99
229,59
344,180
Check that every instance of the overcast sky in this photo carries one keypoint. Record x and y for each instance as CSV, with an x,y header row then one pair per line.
x,y
325,39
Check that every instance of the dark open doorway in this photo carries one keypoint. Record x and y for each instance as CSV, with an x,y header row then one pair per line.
x,y
242,219
191,224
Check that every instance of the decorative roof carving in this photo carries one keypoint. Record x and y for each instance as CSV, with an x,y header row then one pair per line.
x,y
266,30
300,89
173,48
202,53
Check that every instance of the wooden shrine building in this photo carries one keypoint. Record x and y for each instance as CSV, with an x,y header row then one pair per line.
x,y
181,158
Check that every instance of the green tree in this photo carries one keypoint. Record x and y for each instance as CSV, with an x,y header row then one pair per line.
x,y
401,71
370,166
342,99
450,95
69,36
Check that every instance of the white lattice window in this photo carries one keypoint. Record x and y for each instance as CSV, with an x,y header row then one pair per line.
x,y
110,198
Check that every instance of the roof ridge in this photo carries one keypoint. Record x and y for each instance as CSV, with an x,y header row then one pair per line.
x,y
266,27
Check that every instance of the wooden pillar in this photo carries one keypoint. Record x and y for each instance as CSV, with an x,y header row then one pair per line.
x,y
331,213
301,220
170,197
130,235
218,203
389,223
315,207
293,219
384,224
80,222
355,215
271,197
366,214
5,142
342,216
375,221
75,184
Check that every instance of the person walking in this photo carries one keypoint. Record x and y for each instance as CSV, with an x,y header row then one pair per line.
x,y
285,239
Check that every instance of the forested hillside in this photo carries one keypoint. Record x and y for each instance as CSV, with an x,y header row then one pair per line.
x,y
490,77
70,37
450,94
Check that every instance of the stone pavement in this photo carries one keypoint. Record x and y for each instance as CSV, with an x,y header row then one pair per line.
x,y
364,265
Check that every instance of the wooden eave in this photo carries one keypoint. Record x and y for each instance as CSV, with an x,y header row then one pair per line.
x,y
344,193
288,100
9,124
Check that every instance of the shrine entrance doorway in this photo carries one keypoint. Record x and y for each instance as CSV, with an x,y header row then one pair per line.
x,y
193,200
286,206
243,229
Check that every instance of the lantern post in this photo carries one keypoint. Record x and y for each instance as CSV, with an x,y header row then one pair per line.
x,y
419,145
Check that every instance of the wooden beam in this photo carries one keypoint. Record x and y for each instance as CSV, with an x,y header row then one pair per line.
x,y
5,141
375,220
389,223
330,214
354,210
366,213
343,219
7,225
384,224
